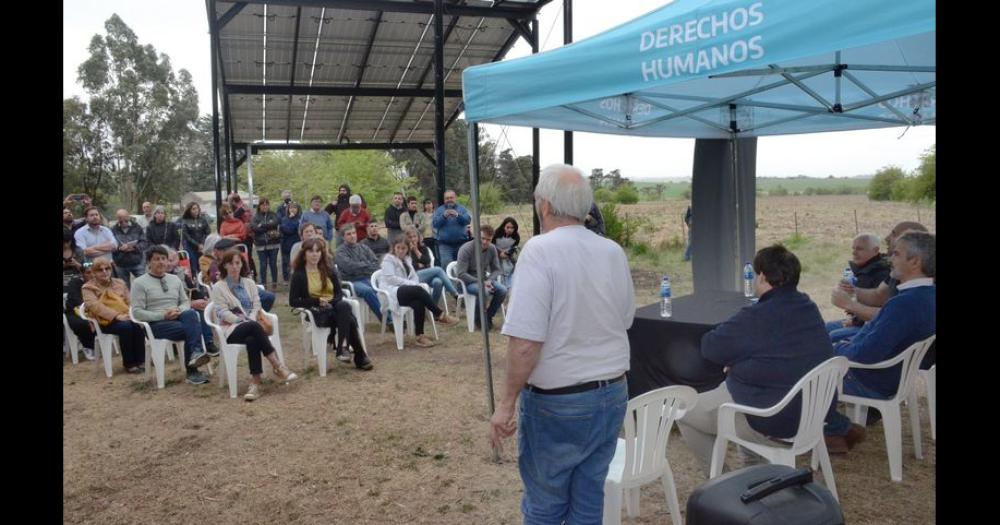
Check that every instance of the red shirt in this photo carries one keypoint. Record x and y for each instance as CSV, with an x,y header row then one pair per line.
x,y
233,226
360,221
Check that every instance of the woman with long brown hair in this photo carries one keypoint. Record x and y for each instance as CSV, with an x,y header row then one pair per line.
x,y
315,285
107,302
194,228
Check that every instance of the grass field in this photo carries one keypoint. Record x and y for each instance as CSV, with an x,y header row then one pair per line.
x,y
766,185
407,442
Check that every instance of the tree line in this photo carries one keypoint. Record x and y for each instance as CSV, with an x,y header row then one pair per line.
x,y
892,183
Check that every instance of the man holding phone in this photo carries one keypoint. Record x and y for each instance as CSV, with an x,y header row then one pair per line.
x,y
129,255
450,220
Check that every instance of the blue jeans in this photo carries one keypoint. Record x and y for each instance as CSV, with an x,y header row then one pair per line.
x,y
837,424
192,249
507,268
436,277
499,293
839,333
125,273
266,299
364,290
268,258
187,327
566,443
449,252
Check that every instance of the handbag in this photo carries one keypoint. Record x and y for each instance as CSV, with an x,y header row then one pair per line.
x,y
114,302
265,323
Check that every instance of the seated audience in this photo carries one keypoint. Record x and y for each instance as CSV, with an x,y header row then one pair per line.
x,y
208,265
399,279
267,297
466,271
316,286
198,296
435,276
906,318
160,299
767,348
357,263
74,298
376,243
237,309
506,239
107,301
870,269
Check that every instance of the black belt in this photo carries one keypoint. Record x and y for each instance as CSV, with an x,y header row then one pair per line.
x,y
575,389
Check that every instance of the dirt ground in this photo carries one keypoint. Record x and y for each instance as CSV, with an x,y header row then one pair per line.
x,y
404,443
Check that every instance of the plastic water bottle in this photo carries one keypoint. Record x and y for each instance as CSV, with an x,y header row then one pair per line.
x,y
666,309
747,280
849,276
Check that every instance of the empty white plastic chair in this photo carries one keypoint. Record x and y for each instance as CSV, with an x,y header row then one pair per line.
x,y
817,388
400,313
641,457
468,300
158,351
314,337
104,343
892,419
231,351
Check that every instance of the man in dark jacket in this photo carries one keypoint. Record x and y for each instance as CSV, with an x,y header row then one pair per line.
x,y
129,257
356,263
870,269
392,214
767,348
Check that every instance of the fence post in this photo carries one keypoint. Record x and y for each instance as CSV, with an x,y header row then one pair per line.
x,y
796,223
856,229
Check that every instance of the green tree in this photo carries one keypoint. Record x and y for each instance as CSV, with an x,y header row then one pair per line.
x,y
148,111
456,150
87,153
924,186
604,195
627,194
514,176
882,184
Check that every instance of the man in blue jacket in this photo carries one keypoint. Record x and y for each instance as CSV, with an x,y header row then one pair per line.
x,y
767,348
450,220
907,318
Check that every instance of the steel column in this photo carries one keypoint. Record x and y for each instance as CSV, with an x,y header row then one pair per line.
x,y
439,97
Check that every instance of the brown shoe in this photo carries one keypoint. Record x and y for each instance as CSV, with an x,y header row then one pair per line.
x,y
855,435
836,445
285,374
423,341
446,320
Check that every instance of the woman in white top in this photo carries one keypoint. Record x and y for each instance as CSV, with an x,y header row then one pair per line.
x,y
237,305
399,279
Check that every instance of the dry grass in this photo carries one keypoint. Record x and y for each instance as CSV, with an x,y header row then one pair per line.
x,y
405,443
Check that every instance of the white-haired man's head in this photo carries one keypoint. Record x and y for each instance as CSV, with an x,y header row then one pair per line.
x,y
864,247
565,190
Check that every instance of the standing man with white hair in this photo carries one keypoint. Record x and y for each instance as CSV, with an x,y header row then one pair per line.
x,y
567,356
450,220
870,269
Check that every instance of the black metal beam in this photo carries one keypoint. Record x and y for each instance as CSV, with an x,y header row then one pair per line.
x,y
420,82
361,74
428,156
344,146
535,144
509,43
228,16
427,8
567,39
295,54
328,91
214,43
227,115
521,28
439,153
239,156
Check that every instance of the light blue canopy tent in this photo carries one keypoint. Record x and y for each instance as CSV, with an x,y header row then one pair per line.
x,y
723,72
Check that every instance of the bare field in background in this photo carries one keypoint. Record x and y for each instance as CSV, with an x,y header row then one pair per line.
x,y
407,442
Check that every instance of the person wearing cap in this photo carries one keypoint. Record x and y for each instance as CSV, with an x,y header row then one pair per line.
x,y
355,214
320,218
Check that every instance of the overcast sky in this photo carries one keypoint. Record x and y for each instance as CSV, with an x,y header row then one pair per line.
x,y
179,28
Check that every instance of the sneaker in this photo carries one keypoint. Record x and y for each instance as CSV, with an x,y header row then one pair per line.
x,y
855,435
364,365
836,445
343,356
89,354
423,341
446,320
198,359
253,392
285,374
196,378
134,370
211,350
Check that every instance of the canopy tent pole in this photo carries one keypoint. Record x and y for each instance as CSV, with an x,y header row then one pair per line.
x,y
481,296
215,112
439,154
535,145
567,39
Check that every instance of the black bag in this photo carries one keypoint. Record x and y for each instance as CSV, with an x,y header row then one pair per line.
x,y
771,494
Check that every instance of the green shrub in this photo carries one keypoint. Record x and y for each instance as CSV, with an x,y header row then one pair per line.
x,y
491,200
604,195
795,241
882,184
640,249
627,195
621,229
780,191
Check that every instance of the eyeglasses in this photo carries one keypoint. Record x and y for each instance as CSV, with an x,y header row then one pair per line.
x,y
163,285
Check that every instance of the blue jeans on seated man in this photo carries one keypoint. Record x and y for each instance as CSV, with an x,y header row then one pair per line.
x,y
185,328
436,277
449,253
838,424
125,273
840,333
499,293
565,445
266,299
364,290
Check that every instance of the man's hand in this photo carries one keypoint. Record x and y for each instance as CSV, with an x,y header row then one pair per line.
x,y
122,317
171,314
502,425
199,304
589,219
846,287
840,298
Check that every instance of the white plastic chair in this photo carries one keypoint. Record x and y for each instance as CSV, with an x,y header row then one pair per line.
x,y
641,457
73,344
930,381
400,313
468,300
817,388
159,350
892,420
231,351
348,288
444,296
104,343
314,337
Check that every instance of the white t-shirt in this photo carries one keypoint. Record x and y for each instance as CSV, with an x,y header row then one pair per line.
x,y
574,293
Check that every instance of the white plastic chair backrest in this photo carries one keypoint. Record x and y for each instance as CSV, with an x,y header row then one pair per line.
x,y
65,295
93,321
145,326
452,274
241,247
210,319
911,358
648,419
818,387
431,254
376,277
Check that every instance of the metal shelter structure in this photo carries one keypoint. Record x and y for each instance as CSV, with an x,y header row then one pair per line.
x,y
349,74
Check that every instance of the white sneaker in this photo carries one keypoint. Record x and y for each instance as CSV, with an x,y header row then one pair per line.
x,y
253,392
89,354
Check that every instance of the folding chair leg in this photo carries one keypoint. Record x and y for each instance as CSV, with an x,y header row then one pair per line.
x,y
891,423
107,354
718,456
612,504
397,327
631,501
319,348
824,459
159,351
914,409
670,490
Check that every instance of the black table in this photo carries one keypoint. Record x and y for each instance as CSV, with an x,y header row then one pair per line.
x,y
666,351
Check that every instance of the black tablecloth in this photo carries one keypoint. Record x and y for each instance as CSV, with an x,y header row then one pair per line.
x,y
665,351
